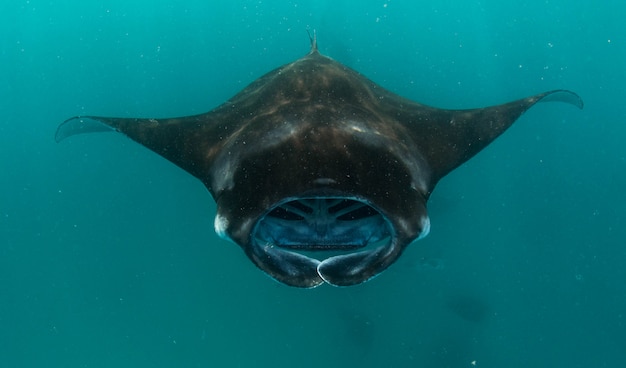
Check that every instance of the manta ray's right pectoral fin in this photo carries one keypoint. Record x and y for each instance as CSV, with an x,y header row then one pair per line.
x,y
81,125
185,141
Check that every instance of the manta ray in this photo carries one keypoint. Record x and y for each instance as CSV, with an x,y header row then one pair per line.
x,y
319,174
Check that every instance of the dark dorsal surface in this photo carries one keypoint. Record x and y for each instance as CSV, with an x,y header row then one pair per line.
x,y
319,174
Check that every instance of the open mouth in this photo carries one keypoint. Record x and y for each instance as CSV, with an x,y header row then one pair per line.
x,y
339,240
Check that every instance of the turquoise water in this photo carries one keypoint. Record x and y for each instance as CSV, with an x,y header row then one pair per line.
x,y
107,252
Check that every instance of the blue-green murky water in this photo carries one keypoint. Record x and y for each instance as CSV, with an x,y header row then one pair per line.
x,y
107,251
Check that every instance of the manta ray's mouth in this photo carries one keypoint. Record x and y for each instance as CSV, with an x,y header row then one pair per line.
x,y
310,240
322,223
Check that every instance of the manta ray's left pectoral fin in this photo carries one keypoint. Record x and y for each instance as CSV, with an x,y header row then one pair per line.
x,y
457,135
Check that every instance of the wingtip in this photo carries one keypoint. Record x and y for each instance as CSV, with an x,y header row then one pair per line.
x,y
62,131
563,95
79,125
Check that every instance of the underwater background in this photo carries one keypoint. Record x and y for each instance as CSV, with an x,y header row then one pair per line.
x,y
108,256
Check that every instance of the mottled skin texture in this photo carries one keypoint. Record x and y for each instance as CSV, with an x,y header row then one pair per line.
x,y
315,127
